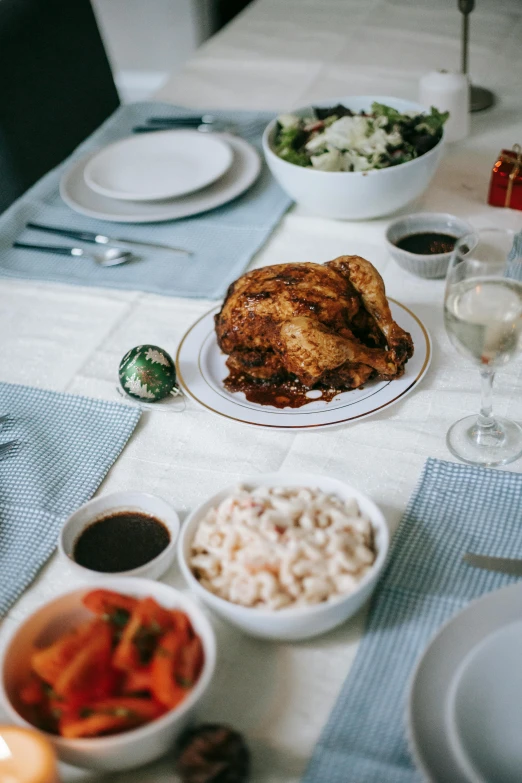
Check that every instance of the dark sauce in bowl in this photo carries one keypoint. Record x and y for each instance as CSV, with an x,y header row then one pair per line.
x,y
120,541
427,243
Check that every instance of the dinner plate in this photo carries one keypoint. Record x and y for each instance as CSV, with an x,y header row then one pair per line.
x,y
243,172
485,708
156,166
464,711
201,370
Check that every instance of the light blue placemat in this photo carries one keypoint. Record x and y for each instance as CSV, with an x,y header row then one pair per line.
x,y
66,446
454,509
224,240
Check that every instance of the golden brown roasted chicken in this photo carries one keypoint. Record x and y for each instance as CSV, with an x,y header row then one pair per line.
x,y
324,324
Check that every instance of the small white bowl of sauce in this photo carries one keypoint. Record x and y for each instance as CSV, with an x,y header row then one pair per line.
x,y
422,243
123,534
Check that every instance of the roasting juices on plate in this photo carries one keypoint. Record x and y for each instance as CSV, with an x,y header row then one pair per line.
x,y
298,332
129,665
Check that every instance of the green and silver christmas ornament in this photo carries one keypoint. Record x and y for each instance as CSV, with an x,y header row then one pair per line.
x,y
147,373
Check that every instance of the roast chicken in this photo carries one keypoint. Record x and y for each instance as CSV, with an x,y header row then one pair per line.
x,y
326,325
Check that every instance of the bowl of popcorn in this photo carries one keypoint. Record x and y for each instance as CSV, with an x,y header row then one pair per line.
x,y
285,556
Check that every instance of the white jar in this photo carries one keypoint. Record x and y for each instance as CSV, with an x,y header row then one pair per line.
x,y
448,91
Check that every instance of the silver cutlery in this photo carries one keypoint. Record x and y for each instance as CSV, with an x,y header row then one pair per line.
x,y
5,448
505,565
113,256
102,239
206,123
200,119
217,127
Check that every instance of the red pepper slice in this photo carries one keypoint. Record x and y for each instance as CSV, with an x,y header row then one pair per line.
x,y
89,674
109,716
165,689
138,680
148,621
50,662
190,663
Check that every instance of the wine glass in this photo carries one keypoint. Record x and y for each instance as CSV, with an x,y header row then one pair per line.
x,y
483,319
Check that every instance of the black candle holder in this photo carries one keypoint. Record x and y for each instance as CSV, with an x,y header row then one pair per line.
x,y
480,98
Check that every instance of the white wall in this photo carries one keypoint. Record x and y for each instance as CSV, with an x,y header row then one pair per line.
x,y
146,40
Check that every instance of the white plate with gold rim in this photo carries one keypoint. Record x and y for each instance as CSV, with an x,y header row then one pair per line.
x,y
201,370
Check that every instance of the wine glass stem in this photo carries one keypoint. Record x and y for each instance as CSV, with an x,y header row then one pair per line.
x,y
485,419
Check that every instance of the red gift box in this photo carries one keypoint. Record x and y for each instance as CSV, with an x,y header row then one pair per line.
x,y
505,189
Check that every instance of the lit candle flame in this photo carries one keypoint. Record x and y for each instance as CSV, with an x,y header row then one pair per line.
x,y
5,752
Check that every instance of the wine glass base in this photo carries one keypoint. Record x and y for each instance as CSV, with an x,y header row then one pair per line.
x,y
502,444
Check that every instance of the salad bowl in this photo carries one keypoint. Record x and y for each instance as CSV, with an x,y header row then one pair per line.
x,y
354,195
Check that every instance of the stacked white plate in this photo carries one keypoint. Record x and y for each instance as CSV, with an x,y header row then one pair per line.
x,y
160,175
465,706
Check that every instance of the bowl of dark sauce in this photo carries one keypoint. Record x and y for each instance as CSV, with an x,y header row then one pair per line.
x,y
124,533
422,243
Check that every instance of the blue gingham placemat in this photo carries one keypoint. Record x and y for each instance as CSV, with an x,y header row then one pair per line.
x,y
454,509
514,267
66,445
224,240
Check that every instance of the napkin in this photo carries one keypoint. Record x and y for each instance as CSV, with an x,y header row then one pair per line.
x,y
223,240
66,445
454,509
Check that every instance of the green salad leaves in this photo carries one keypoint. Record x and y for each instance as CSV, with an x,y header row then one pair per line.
x,y
337,139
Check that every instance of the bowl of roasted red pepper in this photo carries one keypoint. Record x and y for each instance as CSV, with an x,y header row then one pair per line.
x,y
112,674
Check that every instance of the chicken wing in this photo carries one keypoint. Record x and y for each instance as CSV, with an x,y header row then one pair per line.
x,y
369,284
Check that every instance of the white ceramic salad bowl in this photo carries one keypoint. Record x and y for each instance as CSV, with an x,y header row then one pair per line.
x,y
354,195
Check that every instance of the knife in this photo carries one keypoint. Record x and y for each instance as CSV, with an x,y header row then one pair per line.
x,y
204,127
202,122
101,239
505,565
192,120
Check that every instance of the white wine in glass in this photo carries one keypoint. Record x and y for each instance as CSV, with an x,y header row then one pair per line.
x,y
483,318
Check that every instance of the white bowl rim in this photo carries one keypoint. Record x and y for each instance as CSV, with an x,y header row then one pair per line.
x,y
290,479
267,148
112,740
165,554
423,216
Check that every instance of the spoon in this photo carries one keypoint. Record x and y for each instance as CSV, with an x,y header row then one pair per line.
x,y
112,256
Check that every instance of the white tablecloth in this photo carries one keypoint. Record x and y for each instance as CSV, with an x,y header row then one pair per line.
x,y
279,54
